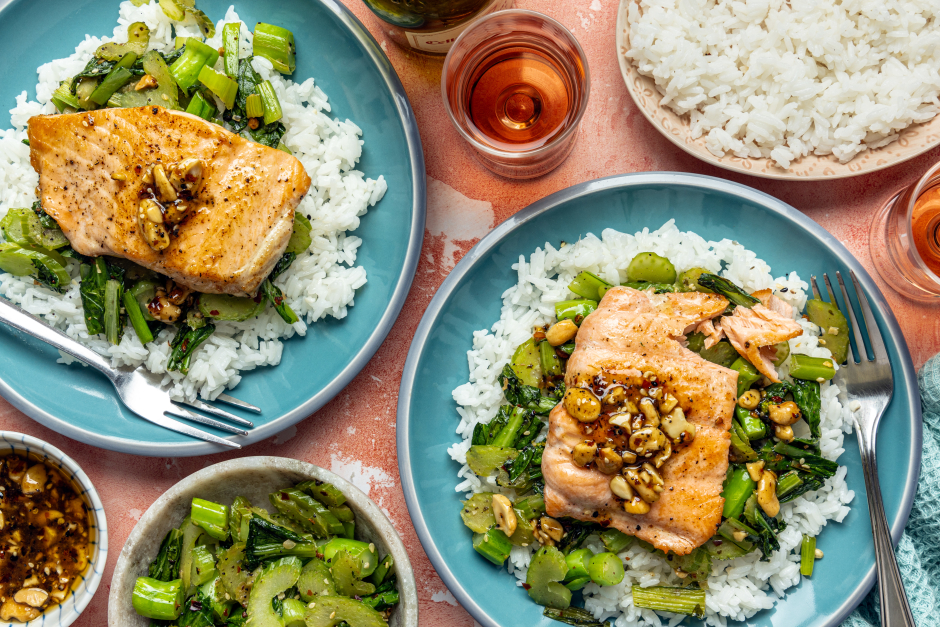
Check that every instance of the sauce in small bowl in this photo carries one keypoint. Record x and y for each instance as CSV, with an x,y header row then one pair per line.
x,y
53,534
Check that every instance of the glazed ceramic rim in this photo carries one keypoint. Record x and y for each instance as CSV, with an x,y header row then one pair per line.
x,y
357,362
367,509
679,141
696,181
68,612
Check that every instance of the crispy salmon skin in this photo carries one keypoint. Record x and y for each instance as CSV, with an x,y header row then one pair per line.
x,y
92,167
631,334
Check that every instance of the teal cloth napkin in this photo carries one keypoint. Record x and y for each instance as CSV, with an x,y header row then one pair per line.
x,y
919,550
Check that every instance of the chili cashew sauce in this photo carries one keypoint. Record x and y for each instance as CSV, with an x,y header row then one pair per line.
x,y
44,537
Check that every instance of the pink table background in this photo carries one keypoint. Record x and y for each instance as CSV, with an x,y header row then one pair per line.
x,y
355,433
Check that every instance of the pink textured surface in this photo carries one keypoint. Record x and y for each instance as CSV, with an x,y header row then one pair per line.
x,y
615,139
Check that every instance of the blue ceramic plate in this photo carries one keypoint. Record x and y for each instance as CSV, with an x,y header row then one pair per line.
x,y
336,50
470,300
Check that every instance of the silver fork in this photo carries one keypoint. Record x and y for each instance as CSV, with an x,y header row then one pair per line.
x,y
138,388
869,384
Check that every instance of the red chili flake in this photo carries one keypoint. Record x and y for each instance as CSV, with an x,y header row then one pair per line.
x,y
214,312
647,385
776,399
285,496
526,586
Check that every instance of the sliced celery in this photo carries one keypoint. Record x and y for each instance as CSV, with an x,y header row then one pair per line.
x,y
219,84
275,44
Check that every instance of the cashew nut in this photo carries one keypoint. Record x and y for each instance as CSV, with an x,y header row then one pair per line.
x,y
165,191
31,596
664,454
34,479
636,506
582,404
647,441
505,516
615,396
620,488
648,409
150,219
561,332
584,453
785,413
608,461
668,403
784,433
750,399
679,430
162,309
643,488
186,176
767,493
552,528
755,469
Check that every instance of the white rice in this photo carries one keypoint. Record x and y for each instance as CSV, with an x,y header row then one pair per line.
x,y
322,281
739,588
784,79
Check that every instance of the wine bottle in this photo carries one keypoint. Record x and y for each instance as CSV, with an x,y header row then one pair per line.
x,y
431,26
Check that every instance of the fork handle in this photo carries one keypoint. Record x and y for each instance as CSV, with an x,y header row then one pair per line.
x,y
19,319
895,611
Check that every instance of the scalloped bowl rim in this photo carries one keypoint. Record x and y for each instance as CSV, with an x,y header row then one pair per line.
x,y
697,149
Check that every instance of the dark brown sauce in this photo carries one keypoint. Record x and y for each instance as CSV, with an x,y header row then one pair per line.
x,y
44,537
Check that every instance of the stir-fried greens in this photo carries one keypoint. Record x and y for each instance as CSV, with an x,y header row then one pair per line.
x,y
297,567
114,292
768,466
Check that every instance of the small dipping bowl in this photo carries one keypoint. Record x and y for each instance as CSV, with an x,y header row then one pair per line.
x,y
85,585
516,31
253,478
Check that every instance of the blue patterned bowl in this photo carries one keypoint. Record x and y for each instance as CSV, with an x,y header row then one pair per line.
x,y
68,611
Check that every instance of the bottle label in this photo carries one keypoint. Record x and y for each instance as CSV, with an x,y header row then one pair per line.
x,y
441,41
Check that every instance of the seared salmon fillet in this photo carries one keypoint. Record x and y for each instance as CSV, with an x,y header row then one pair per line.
x,y
632,335
753,332
92,168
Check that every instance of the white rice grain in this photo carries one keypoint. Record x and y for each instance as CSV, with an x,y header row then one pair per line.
x,y
784,79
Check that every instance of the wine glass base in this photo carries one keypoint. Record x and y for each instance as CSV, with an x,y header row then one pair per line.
x,y
880,237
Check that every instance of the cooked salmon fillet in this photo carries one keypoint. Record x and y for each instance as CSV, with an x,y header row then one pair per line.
x,y
244,211
754,331
632,333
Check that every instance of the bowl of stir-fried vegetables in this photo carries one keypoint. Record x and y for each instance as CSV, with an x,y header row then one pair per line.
x,y
280,541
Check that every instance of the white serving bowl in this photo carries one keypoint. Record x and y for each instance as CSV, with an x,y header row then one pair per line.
x,y
253,478
67,612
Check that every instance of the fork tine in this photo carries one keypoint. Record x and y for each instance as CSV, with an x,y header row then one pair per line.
x,y
179,412
859,353
215,411
874,334
832,296
812,281
175,425
234,402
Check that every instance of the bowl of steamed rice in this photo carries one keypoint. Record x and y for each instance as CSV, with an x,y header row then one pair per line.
x,y
792,90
